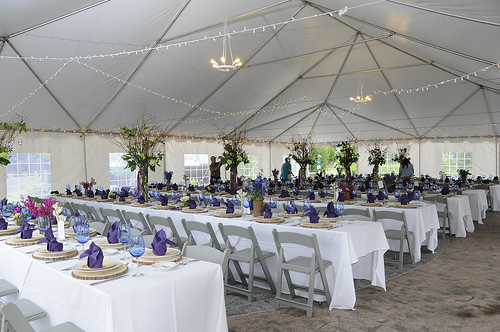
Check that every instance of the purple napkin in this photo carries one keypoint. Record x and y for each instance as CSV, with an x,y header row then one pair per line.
x,y
53,220
3,224
232,191
315,186
212,190
104,195
190,187
283,193
78,193
54,192
371,198
251,205
330,211
114,232
270,191
445,190
50,239
392,188
4,201
141,200
230,207
124,191
68,192
192,204
380,196
216,202
268,213
175,186
322,194
361,188
313,215
159,244
311,196
341,197
163,200
26,230
405,199
122,196
95,256
90,193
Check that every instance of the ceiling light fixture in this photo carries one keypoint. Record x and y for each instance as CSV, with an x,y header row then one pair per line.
x,y
226,43
360,98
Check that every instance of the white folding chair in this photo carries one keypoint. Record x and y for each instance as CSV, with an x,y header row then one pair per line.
x,y
357,214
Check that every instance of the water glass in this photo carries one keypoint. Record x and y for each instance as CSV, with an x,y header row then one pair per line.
x,y
354,193
397,193
307,204
133,191
235,200
290,207
82,234
385,193
434,187
137,249
455,188
339,209
273,202
417,194
43,223
211,199
7,210
26,214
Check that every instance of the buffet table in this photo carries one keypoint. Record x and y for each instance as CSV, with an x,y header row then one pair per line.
x,y
355,249
478,203
186,298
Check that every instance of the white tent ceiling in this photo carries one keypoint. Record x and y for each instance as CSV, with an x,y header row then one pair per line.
x,y
300,66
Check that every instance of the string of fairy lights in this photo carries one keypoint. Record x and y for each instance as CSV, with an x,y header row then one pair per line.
x,y
217,115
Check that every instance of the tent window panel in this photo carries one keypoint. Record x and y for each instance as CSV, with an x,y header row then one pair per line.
x,y
119,176
454,161
196,168
250,170
28,174
390,165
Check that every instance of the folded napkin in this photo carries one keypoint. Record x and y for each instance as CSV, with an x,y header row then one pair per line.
x,y
315,186
362,188
192,204
26,230
141,200
104,195
90,193
230,207
160,186
3,224
268,213
445,190
54,192
53,220
380,196
95,256
322,194
283,193
163,200
68,192
216,202
341,197
313,215
371,198
50,239
114,233
78,193
190,187
270,191
311,195
124,192
4,201
330,211
212,190
175,186
159,244
392,188
405,199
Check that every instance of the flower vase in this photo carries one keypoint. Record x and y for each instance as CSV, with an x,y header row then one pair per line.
x,y
347,195
234,179
142,183
302,177
375,172
258,205
168,185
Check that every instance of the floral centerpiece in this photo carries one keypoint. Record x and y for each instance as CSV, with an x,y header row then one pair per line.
x,y
8,133
257,189
463,174
233,153
16,215
141,143
87,185
402,154
376,157
45,209
300,151
347,156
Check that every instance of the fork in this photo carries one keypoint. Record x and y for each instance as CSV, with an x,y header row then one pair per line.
x,y
190,261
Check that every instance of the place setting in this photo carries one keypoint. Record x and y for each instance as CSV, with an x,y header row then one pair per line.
x,y
161,254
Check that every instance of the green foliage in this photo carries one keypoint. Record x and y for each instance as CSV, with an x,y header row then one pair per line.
x,y
348,154
376,155
8,133
300,151
233,153
328,157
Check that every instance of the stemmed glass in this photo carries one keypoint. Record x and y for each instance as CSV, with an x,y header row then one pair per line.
x,y
307,204
290,207
417,194
43,223
133,191
201,197
82,234
235,200
136,249
455,188
385,193
211,199
354,193
339,209
273,202
434,187
26,214
7,210
397,193
246,205
124,236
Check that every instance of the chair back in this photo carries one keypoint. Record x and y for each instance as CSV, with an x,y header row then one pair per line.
x,y
244,232
92,213
305,240
110,215
400,217
15,317
207,254
206,228
357,214
101,228
130,217
69,207
165,222
80,208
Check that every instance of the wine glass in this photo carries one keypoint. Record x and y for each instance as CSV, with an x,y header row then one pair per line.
x,y
339,209
201,197
7,210
173,196
426,187
434,187
82,234
246,206
354,193
385,193
43,223
397,193
307,204
136,249
455,188
290,207
133,191
272,202
417,194
26,214
235,200
211,199
124,236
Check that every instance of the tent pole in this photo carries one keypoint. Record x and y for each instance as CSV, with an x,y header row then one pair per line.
x,y
85,156
270,160
420,156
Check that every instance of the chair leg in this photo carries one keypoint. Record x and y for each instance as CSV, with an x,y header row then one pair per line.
x,y
290,284
250,279
325,286
240,273
267,274
401,250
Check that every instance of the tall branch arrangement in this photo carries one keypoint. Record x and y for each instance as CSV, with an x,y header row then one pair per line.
x,y
233,153
141,142
347,156
300,151
8,133
402,153
376,156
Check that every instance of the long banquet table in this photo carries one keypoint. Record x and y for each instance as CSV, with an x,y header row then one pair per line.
x,y
356,249
186,298
478,203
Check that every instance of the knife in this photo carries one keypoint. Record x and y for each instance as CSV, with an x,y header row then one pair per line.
x,y
106,280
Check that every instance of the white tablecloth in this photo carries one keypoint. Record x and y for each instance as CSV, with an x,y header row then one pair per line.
x,y
478,203
460,216
187,298
356,250
495,197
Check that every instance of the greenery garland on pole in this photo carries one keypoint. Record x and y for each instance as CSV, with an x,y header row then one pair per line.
x,y
141,142
8,133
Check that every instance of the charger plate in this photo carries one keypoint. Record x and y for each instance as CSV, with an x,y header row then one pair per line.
x,y
227,215
283,198
122,203
105,200
103,243
272,220
196,210
286,215
141,205
45,255
325,219
319,225
71,233
17,241
371,204
149,258
407,206
79,271
163,207
10,230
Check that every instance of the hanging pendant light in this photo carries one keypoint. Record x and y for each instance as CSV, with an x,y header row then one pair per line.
x,y
225,65
360,98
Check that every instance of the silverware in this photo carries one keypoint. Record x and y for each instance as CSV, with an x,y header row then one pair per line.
x,y
186,263
106,280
